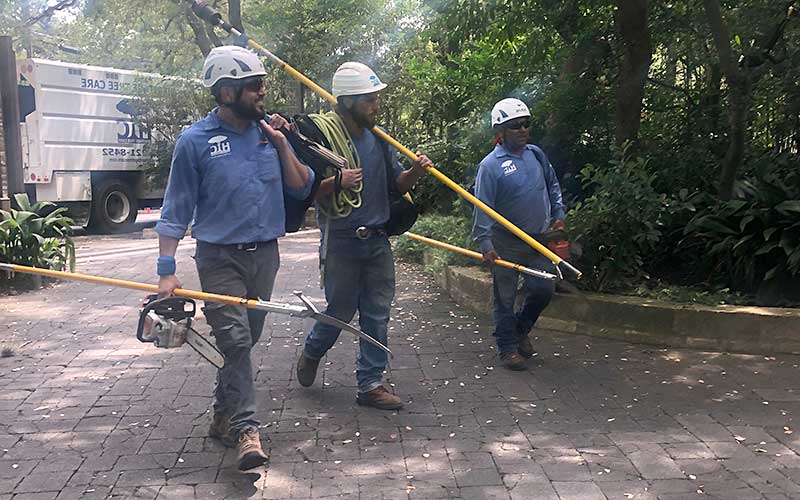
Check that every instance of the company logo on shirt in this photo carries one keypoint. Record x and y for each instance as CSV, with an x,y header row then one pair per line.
x,y
220,146
508,167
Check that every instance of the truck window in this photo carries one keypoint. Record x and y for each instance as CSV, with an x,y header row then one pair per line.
x,y
27,101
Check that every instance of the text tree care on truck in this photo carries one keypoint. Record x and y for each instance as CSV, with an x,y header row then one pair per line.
x,y
81,146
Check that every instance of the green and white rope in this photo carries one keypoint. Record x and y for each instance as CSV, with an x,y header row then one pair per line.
x,y
339,204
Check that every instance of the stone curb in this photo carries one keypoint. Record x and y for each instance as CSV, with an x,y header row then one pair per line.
x,y
740,329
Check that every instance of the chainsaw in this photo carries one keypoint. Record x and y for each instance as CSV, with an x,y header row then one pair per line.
x,y
167,323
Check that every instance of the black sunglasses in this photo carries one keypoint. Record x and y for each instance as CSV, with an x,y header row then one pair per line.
x,y
253,84
518,125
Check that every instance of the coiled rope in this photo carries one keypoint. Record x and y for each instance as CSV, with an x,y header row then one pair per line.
x,y
340,204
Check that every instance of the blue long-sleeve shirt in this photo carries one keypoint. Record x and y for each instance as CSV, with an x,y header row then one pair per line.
x,y
520,188
231,182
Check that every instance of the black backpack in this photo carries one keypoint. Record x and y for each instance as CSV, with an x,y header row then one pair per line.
x,y
402,213
296,209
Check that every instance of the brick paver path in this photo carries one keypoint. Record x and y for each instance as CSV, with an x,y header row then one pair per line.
x,y
88,412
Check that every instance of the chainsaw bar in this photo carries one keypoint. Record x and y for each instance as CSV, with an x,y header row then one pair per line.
x,y
204,348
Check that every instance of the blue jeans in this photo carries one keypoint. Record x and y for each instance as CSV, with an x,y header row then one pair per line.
x,y
510,326
359,276
236,330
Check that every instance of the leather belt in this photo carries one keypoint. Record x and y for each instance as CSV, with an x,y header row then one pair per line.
x,y
245,247
361,232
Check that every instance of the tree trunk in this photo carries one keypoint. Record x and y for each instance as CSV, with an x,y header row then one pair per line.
x,y
301,98
235,14
578,73
740,108
738,98
198,28
631,22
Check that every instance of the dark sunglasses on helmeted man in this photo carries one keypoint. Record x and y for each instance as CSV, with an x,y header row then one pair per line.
x,y
516,125
253,84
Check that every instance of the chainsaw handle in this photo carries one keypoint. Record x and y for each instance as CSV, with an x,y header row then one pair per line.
x,y
150,303
172,308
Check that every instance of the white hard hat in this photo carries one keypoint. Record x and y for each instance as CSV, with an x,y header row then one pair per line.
x,y
508,109
353,78
230,61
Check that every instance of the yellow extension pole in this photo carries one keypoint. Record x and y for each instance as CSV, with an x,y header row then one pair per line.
x,y
144,287
410,154
214,18
475,255
305,311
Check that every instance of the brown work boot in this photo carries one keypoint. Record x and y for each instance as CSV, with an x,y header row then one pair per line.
x,y
306,370
513,361
379,398
248,449
220,429
525,348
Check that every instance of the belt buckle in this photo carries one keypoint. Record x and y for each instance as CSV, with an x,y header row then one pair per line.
x,y
362,233
247,247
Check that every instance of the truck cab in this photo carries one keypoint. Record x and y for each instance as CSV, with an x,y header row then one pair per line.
x,y
81,146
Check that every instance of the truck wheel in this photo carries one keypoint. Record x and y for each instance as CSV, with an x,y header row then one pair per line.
x,y
114,206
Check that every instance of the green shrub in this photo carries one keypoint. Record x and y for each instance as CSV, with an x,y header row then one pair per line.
x,y
620,225
752,241
447,228
37,236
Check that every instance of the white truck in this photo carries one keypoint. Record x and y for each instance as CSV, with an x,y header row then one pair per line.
x,y
81,147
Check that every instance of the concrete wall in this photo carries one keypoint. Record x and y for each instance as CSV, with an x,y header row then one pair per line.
x,y
756,330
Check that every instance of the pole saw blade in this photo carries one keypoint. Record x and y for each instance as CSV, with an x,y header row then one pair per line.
x,y
337,323
204,348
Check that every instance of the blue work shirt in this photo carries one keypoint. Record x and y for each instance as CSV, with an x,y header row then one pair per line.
x,y
374,209
230,181
520,188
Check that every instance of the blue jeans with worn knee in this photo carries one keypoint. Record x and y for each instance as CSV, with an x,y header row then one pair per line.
x,y
509,326
359,276
225,270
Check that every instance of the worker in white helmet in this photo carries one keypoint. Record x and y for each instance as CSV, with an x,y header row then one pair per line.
x,y
231,176
517,180
354,216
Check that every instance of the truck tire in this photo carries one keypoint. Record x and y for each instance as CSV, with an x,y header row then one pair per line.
x,y
114,206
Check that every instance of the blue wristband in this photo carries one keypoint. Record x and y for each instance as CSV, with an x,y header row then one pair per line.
x,y
166,265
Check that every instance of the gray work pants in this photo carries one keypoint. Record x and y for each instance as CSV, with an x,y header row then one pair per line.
x,y
225,270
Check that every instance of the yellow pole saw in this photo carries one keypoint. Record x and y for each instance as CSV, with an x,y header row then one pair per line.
x,y
536,273
164,328
214,18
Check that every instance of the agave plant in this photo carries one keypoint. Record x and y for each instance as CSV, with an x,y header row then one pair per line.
x,y
37,235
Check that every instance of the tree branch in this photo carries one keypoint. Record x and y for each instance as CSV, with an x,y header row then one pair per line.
x,y
675,88
212,35
763,53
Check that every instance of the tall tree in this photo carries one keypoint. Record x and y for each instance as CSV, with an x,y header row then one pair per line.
x,y
738,97
740,76
235,14
631,21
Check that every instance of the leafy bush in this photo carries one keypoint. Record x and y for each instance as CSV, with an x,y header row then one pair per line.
x,y
449,229
620,225
37,236
166,106
753,240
